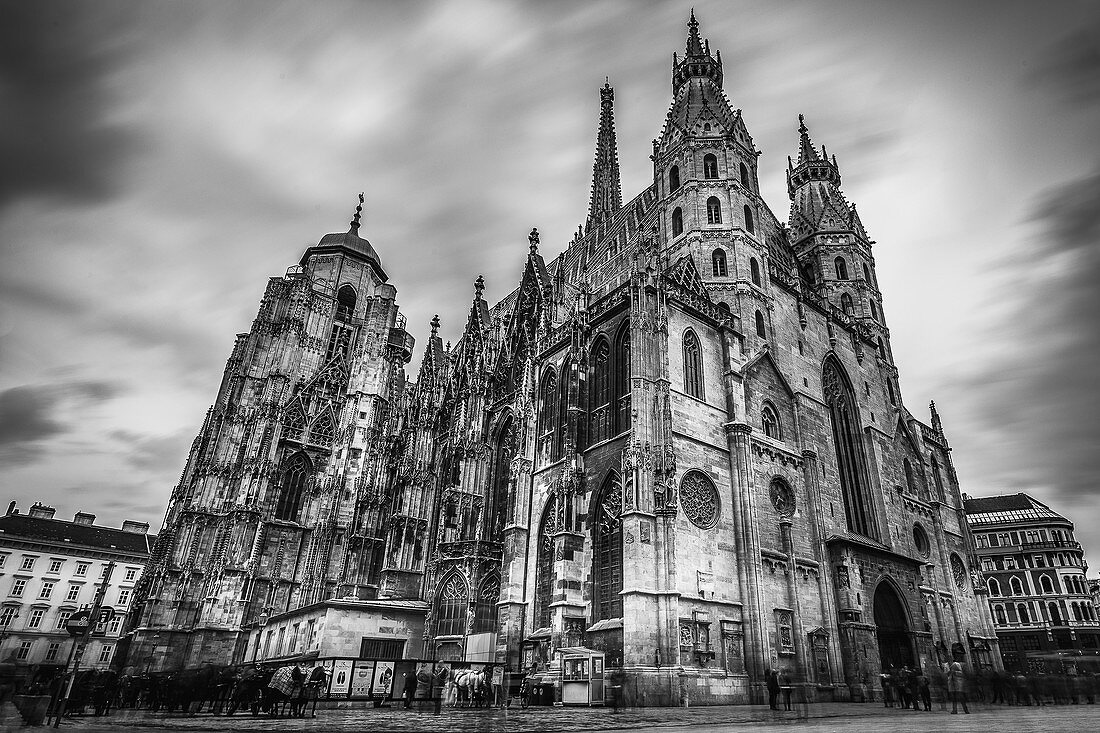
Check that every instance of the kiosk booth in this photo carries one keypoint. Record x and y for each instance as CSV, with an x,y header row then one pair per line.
x,y
581,676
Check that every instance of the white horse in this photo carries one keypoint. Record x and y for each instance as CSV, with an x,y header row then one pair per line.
x,y
471,685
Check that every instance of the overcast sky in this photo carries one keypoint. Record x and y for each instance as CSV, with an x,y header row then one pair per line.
x,y
159,161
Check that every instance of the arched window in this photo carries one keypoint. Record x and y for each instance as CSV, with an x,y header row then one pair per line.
x,y
769,420
1047,586
874,310
866,273
599,421
544,563
673,178
994,587
910,483
562,419
882,349
1016,585
296,472
890,391
345,303
841,268
1076,612
485,605
725,308
744,176
451,607
999,611
622,379
323,430
846,304
718,263
754,271
1021,611
677,222
760,331
693,365
294,422
501,497
710,166
1055,613
848,442
546,423
607,544
749,226
714,211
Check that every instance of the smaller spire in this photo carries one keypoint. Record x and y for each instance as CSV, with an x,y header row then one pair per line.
x,y
479,286
435,325
358,213
694,45
533,239
936,424
806,151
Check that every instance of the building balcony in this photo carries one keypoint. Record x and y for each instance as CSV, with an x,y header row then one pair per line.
x,y
1051,545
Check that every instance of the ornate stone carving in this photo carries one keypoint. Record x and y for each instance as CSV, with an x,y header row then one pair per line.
x,y
958,571
700,500
782,497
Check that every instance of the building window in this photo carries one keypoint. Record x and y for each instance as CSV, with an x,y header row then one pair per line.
x,y
745,176
600,405
846,304
105,653
718,263
622,379
18,586
754,271
910,482
848,444
841,268
999,612
452,607
55,566
769,420
24,650
124,596
714,211
47,589
381,648
114,626
1016,585
710,166
677,222
3,559
81,569
693,365
296,471
7,615
345,303
52,651
73,594
36,618
62,619
131,574
1010,562
673,178
607,544
874,310
749,226
1046,585
994,587
28,563
547,429
760,330
545,577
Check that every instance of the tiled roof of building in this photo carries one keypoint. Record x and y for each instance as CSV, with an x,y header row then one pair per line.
x,y
22,526
1008,508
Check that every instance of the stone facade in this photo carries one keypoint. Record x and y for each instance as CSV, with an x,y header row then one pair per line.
x,y
680,442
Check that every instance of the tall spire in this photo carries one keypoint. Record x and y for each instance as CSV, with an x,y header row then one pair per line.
x,y
694,46
698,61
606,190
358,214
806,151
811,166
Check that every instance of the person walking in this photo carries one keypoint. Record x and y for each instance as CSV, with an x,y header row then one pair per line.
x,y
786,688
925,691
772,682
887,688
956,686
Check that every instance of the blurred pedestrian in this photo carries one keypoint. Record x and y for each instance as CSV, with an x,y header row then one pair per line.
x,y
887,680
772,682
956,686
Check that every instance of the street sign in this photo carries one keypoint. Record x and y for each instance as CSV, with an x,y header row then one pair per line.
x,y
79,622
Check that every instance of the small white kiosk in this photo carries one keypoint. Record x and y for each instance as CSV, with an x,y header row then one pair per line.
x,y
581,676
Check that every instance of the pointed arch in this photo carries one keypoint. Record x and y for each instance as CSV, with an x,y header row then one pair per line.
x,y
769,421
718,263
622,379
607,545
848,443
501,495
345,303
846,304
599,401
451,605
677,221
710,166
994,587
874,310
294,476
999,614
562,419
1016,585
547,415
745,176
673,178
910,481
841,268
323,429
485,604
714,210
545,577
294,421
693,365
750,227
1022,613
754,271
761,331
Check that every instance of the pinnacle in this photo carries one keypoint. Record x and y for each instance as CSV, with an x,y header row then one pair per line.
x,y
806,151
533,239
358,214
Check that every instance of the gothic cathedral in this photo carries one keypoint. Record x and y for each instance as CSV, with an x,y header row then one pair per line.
x,y
681,443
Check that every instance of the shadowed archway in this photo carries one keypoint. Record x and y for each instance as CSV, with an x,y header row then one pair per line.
x,y
895,644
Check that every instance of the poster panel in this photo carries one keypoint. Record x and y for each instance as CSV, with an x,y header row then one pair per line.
x,y
364,674
383,680
330,677
341,678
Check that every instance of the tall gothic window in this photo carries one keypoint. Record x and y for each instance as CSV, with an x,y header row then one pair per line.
x,y
451,606
910,481
563,409
599,423
1021,611
677,222
749,226
693,365
994,587
744,176
485,605
710,166
874,309
622,380
345,303
547,411
770,422
841,268
296,472
867,273
501,497
760,330
718,263
607,543
323,430
1016,586
846,304
1000,614
294,422
544,563
754,271
714,211
673,178
848,442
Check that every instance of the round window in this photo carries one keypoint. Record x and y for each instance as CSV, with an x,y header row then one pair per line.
x,y
920,541
699,499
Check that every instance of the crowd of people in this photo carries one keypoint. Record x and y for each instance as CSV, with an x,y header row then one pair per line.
x,y
912,689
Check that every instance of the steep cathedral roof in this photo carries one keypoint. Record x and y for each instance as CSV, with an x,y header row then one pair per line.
x,y
349,242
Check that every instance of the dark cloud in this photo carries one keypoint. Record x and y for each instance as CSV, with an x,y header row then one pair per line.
x,y
156,454
56,133
31,414
1072,66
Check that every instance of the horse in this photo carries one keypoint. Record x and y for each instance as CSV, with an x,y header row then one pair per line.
x,y
248,690
285,692
471,685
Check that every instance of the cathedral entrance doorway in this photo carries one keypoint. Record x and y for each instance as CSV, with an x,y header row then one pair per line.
x,y
895,645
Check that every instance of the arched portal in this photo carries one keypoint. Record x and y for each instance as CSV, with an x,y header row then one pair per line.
x,y
895,645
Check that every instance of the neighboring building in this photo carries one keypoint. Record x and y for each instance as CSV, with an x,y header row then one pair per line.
x,y
1035,575
50,568
681,443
